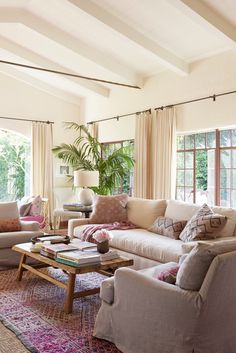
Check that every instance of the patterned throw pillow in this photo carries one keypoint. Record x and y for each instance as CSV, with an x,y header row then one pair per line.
x,y
167,272
35,209
203,225
167,226
109,209
10,225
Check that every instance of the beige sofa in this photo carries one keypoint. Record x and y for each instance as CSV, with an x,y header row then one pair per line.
x,y
28,230
147,248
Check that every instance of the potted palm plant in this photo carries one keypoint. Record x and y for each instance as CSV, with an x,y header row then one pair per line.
x,y
86,153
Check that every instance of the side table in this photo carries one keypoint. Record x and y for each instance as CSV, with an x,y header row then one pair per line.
x,y
78,212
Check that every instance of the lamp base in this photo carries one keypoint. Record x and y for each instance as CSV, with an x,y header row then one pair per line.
x,y
86,197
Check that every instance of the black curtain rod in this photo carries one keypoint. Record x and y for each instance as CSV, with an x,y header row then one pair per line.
x,y
29,120
213,97
119,116
67,74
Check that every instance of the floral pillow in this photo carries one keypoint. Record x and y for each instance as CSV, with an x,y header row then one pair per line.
x,y
167,272
36,206
109,209
168,227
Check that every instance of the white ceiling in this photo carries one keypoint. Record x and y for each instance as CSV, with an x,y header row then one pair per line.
x,y
125,41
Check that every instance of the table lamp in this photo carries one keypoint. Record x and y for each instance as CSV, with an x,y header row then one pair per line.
x,y
85,179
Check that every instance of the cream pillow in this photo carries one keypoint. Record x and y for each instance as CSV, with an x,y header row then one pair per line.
x,y
194,267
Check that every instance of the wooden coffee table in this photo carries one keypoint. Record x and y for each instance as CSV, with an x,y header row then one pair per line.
x,y
106,268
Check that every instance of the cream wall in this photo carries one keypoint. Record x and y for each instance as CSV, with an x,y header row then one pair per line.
x,y
210,76
21,100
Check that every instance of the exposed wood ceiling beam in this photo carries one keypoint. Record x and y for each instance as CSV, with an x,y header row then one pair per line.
x,y
77,46
41,61
165,57
35,82
206,16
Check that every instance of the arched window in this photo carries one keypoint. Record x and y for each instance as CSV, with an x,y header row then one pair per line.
x,y
15,164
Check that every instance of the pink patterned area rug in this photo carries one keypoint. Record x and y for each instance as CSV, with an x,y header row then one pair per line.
x,y
33,310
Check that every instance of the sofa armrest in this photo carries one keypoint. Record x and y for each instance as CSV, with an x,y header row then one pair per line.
x,y
29,226
136,291
72,223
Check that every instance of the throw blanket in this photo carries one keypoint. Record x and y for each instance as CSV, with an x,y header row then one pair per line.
x,y
87,234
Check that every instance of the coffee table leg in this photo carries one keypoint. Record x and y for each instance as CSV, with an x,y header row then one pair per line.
x,y
70,292
20,268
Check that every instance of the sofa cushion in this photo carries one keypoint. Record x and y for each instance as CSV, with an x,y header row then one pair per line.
x,y
193,269
143,212
180,210
203,225
168,227
7,240
230,227
109,209
9,210
150,245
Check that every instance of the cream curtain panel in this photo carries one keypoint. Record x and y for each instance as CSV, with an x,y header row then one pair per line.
x,y
164,153
93,129
42,163
142,156
155,154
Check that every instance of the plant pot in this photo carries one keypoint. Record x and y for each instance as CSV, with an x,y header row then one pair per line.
x,y
103,247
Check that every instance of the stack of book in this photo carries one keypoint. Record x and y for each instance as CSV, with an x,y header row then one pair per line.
x,y
51,250
75,207
78,258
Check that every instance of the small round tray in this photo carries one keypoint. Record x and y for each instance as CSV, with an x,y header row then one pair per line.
x,y
49,237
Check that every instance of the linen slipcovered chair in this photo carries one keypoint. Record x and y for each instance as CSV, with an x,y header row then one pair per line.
x,y
141,314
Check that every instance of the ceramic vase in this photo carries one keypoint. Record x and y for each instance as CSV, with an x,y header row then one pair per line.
x,y
103,247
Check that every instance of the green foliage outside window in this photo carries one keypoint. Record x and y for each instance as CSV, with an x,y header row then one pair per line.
x,y
14,166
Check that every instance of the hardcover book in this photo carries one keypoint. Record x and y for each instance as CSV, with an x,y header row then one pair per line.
x,y
55,248
80,256
76,264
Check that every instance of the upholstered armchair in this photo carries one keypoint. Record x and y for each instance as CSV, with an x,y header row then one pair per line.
x,y
13,231
141,314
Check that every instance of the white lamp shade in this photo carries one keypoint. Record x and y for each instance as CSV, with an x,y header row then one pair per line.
x,y
86,178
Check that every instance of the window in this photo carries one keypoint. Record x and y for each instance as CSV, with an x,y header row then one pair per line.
x,y
206,167
14,166
128,182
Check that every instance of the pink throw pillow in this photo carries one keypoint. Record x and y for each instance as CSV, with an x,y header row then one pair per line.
x,y
35,209
10,225
167,272
109,209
